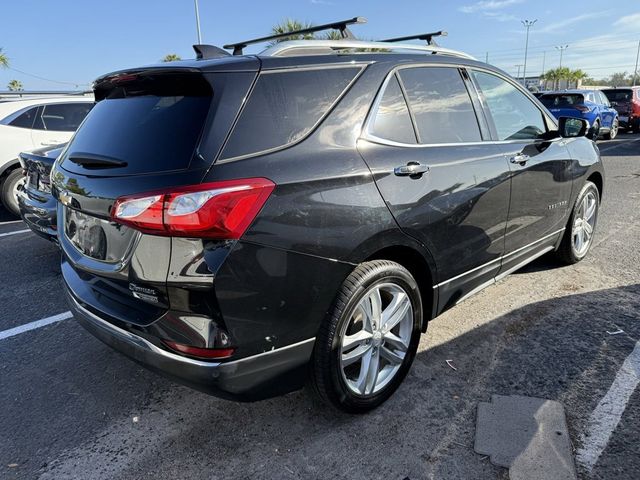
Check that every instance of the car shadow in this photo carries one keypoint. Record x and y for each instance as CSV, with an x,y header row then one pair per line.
x,y
557,349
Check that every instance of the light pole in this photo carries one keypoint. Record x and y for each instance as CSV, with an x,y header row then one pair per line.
x,y
527,24
561,48
635,70
518,75
198,22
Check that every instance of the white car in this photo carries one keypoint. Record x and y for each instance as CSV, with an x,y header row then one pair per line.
x,y
28,124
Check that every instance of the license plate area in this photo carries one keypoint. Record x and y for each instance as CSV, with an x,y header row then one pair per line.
x,y
96,238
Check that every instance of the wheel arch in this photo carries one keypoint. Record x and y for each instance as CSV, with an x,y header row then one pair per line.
x,y
419,267
8,167
598,180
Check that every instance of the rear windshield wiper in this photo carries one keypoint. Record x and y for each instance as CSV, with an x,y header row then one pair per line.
x,y
91,160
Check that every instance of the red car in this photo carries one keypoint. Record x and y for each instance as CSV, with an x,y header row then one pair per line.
x,y
626,100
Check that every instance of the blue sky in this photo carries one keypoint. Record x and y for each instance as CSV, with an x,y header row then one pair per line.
x,y
76,41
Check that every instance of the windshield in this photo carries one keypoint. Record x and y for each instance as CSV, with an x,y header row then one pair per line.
x,y
567,100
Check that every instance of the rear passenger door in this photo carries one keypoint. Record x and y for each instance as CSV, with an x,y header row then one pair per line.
x,y
540,168
424,143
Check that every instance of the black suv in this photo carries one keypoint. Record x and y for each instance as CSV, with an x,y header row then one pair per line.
x,y
245,223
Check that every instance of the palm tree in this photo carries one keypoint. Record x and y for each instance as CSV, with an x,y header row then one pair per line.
x,y
4,60
171,57
15,86
577,76
290,25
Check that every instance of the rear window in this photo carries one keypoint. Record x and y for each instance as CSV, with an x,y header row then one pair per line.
x,y
284,106
150,124
619,95
561,101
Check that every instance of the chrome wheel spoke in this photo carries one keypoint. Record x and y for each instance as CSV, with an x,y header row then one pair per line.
x,y
354,340
591,209
373,371
395,342
361,382
588,229
355,354
395,311
392,357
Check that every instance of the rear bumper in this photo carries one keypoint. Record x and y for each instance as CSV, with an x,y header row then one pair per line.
x,y
39,213
251,378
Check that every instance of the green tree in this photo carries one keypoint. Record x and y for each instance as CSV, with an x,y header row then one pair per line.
x,y
4,60
171,57
15,86
290,25
619,79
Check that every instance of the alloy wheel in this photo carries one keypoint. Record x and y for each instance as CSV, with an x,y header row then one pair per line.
x,y
375,339
584,224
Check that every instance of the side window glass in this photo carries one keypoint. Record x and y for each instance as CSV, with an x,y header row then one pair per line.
x,y
64,117
284,106
514,115
25,119
440,103
392,120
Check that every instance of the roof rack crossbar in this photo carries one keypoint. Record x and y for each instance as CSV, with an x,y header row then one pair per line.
x,y
428,37
341,26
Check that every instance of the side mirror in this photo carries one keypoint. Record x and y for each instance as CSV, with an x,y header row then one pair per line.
x,y
571,127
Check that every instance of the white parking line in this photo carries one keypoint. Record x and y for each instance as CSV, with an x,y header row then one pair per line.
x,y
605,418
14,233
33,325
10,222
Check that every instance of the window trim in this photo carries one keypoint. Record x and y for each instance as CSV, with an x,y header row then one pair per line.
x,y
366,130
359,65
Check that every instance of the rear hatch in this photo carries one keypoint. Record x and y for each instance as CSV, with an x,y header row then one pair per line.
x,y
620,99
565,104
150,129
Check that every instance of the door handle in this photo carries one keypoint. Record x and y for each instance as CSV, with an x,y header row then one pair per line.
x,y
411,169
520,158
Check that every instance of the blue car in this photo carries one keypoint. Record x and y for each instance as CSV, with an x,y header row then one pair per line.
x,y
592,105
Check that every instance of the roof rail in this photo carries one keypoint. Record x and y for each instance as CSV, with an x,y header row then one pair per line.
x,y
428,37
340,26
299,47
204,52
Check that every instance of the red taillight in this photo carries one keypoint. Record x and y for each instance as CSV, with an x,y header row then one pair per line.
x,y
221,210
582,108
200,352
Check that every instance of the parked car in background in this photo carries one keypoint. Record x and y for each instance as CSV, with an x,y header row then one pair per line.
x,y
592,105
29,124
626,100
244,223
37,205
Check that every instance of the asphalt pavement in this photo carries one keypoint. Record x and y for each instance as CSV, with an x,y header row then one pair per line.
x,y
70,407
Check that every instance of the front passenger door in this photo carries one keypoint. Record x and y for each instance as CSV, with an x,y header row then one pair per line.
x,y
540,169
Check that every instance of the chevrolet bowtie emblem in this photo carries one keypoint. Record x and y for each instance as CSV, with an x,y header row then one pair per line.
x,y
65,198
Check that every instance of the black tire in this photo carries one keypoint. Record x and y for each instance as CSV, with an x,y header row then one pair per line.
x,y
7,192
327,379
567,253
613,133
636,126
596,130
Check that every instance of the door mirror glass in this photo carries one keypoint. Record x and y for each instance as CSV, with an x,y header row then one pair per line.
x,y
571,127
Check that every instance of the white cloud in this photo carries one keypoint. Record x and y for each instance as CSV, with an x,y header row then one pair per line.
x,y
488,5
500,16
563,24
629,22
